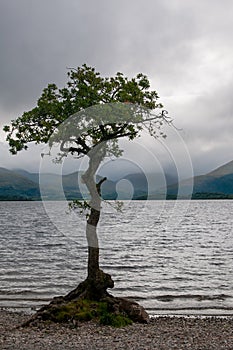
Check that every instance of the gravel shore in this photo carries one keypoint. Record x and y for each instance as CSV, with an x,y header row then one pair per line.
x,y
163,333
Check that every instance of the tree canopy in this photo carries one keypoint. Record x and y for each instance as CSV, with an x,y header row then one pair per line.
x,y
86,88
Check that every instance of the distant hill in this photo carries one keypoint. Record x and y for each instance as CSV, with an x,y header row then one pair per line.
x,y
147,186
23,185
130,186
56,187
215,184
14,186
34,177
223,170
74,188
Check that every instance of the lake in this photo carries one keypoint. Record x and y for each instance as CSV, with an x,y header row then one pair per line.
x,y
174,257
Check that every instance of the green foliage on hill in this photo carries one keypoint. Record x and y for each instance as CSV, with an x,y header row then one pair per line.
x,y
14,186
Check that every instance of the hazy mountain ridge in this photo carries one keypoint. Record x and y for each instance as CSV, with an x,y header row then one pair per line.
x,y
57,187
22,185
217,182
14,186
225,169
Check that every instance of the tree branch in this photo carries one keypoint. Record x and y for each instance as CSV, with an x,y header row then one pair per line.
x,y
98,185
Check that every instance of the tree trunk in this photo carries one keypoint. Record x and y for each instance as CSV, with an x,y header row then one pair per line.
x,y
94,288
97,280
93,244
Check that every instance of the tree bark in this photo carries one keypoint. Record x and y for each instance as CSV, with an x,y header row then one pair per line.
x,y
93,244
97,280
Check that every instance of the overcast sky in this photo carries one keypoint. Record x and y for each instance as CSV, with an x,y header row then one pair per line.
x,y
185,48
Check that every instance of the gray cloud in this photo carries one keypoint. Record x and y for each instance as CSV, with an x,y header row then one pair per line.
x,y
184,47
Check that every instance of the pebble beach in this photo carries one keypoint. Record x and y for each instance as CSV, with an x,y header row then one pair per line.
x,y
162,333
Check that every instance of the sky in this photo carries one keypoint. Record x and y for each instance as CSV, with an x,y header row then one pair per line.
x,y
184,47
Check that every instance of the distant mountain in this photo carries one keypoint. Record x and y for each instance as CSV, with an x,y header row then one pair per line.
x,y
147,186
74,187
14,186
34,177
131,186
22,185
57,187
215,184
226,169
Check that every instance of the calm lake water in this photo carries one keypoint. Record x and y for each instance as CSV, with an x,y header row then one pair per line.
x,y
174,257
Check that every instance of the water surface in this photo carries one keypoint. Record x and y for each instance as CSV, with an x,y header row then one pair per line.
x,y
172,257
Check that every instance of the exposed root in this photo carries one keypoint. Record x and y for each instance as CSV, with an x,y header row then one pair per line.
x,y
90,300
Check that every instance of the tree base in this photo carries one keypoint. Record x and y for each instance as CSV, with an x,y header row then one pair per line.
x,y
91,301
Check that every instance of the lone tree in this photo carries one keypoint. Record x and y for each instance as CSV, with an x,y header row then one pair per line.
x,y
87,118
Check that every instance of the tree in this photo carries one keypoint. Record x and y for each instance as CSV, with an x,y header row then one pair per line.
x,y
87,118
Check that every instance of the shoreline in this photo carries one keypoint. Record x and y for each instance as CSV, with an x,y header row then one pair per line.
x,y
162,332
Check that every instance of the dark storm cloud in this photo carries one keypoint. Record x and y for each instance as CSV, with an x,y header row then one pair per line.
x,y
185,47
40,39
166,39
